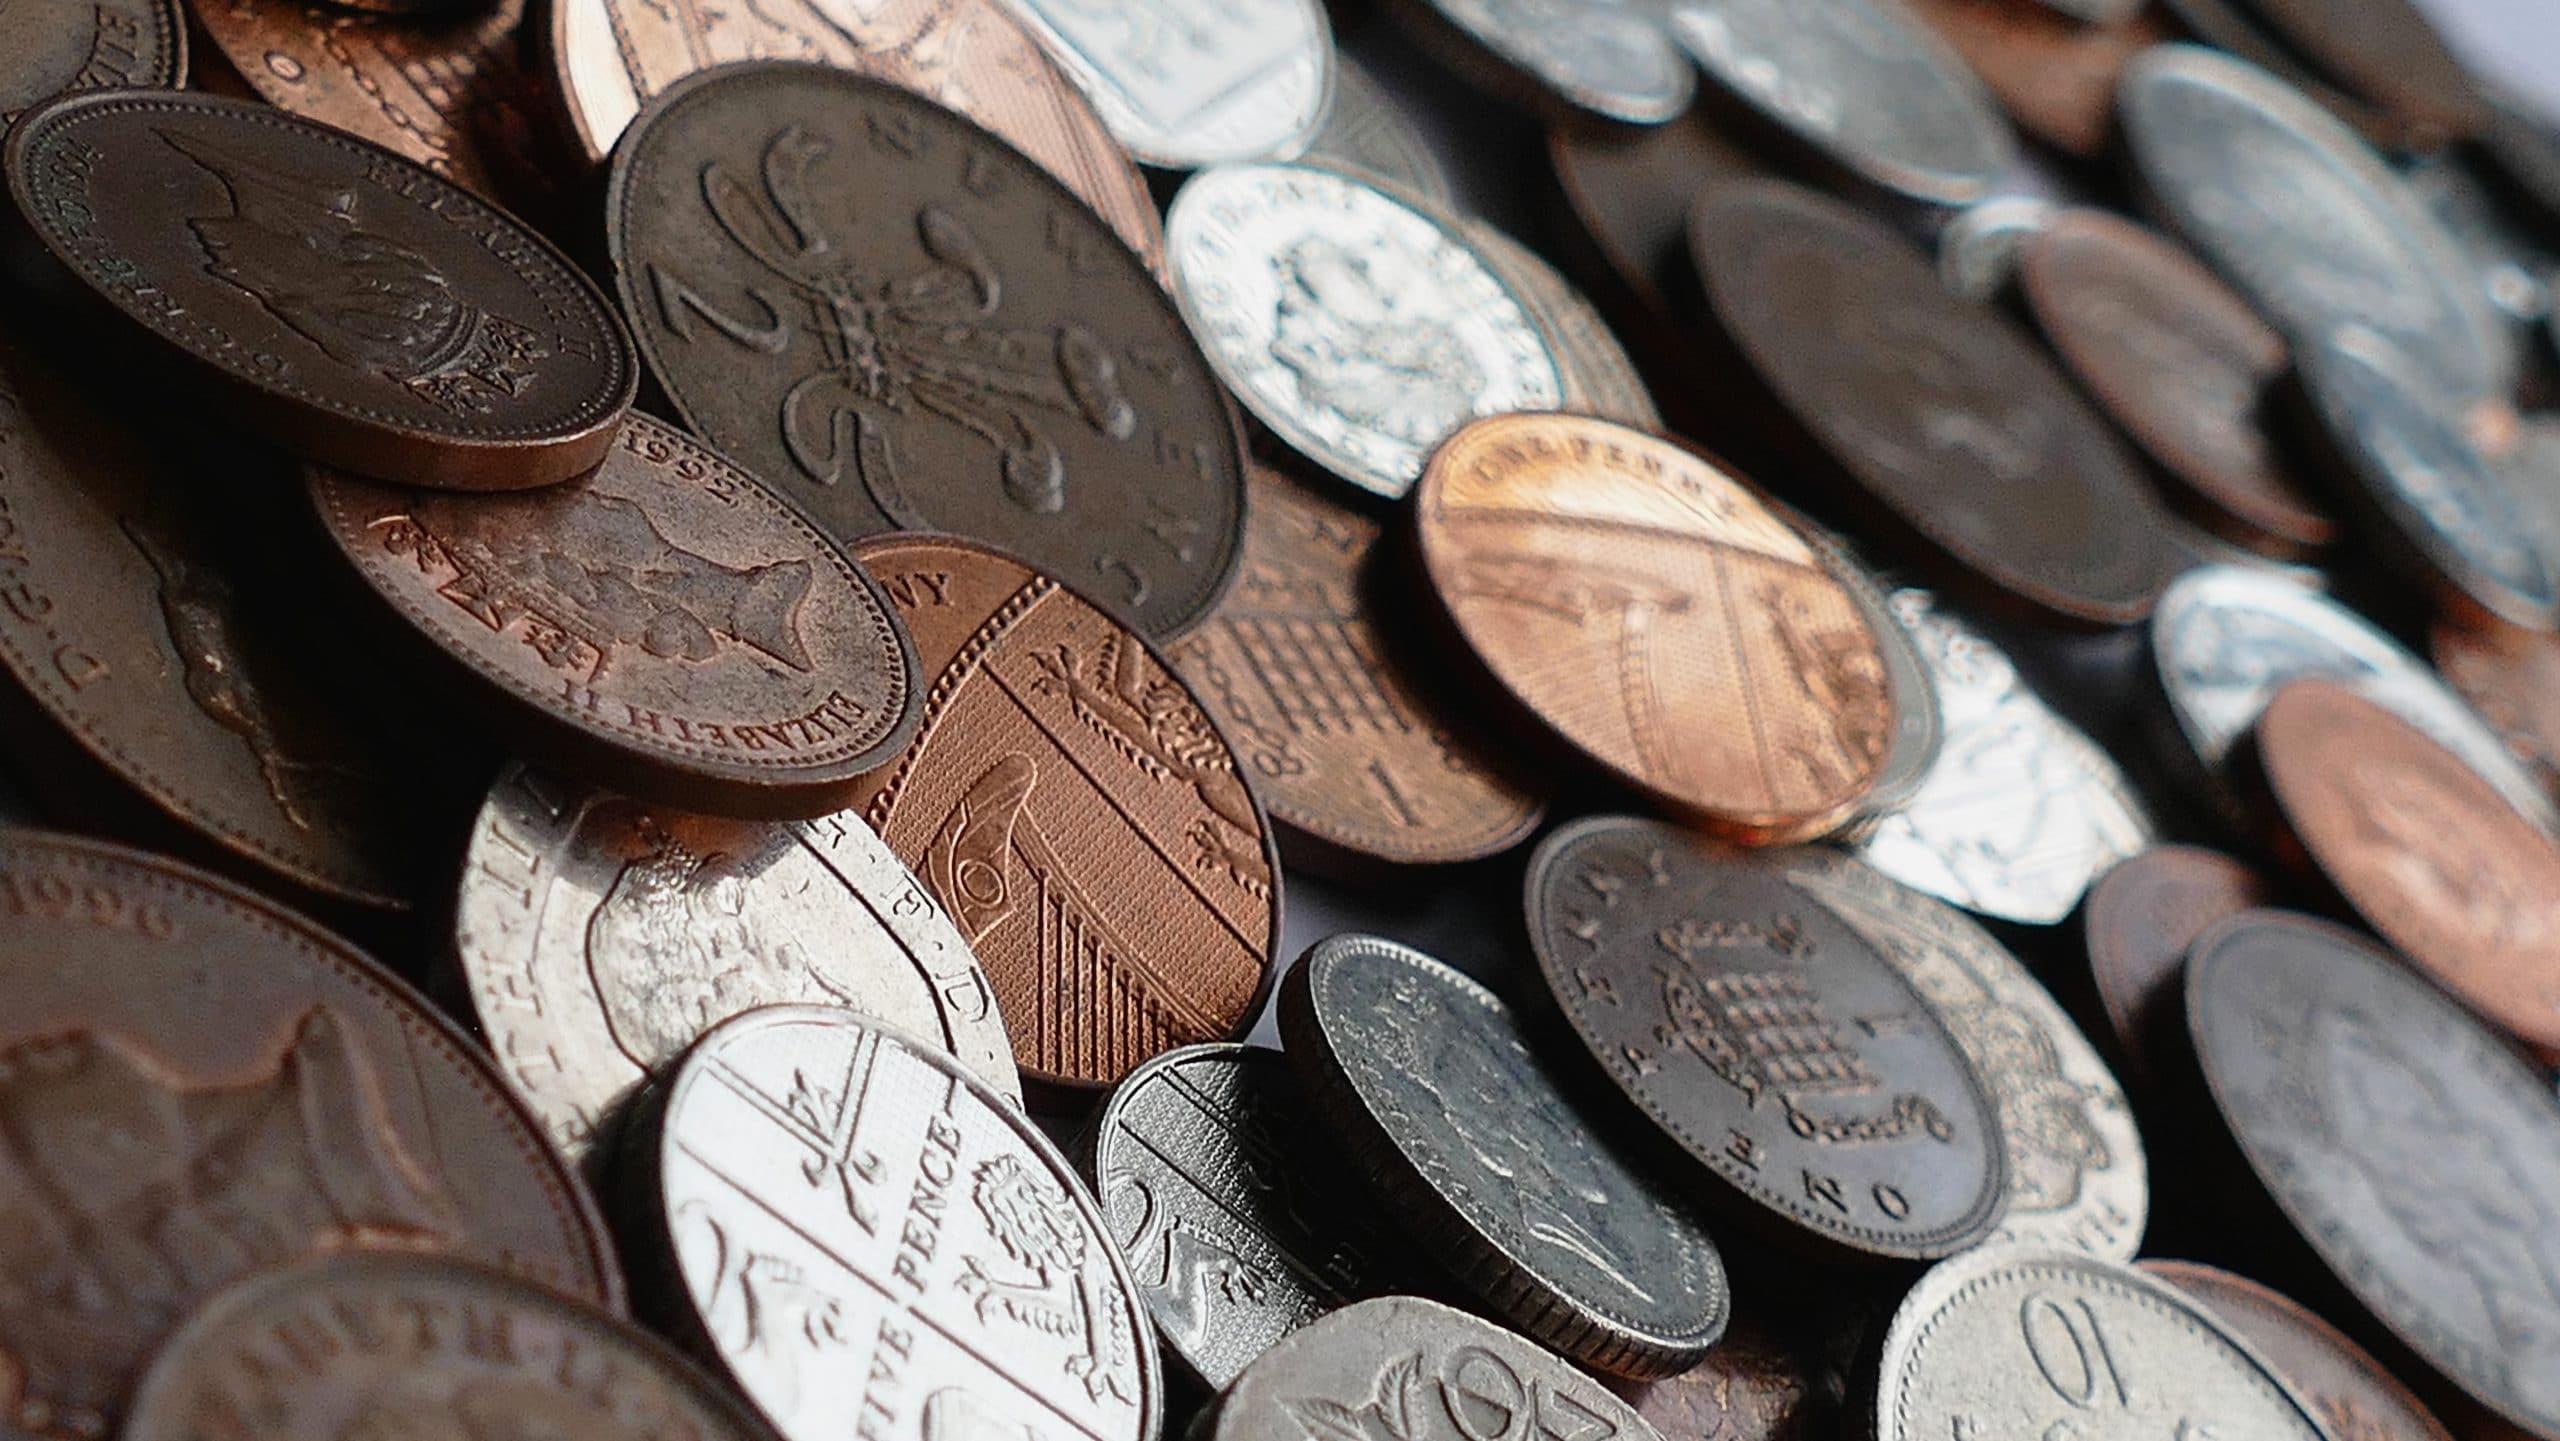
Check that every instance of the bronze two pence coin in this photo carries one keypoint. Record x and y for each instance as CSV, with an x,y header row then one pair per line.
x,y
906,324
2181,361
1644,605
1349,744
1942,418
2138,922
201,1085
1073,806
2055,75
2348,1389
379,1345
666,626
2421,847
60,45
1781,1051
2416,1154
322,292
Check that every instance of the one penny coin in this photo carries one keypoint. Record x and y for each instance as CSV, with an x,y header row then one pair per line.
x,y
2512,678
1427,1081
2139,921
666,626
1644,605
60,45
2181,361
1072,805
2411,1148
2054,74
1946,423
2348,1389
1769,1038
201,1085
948,340
322,292
362,1345
1347,742
2423,850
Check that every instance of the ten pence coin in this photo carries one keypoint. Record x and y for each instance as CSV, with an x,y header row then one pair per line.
x,y
2348,1390
1196,82
1768,1037
1078,814
322,292
2137,925
200,1086
2054,74
599,938
59,45
1644,605
358,1345
899,320
666,625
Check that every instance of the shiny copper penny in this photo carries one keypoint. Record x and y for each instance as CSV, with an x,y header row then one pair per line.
x,y
1346,742
2512,677
667,626
1072,805
613,56
2347,1389
2138,922
2055,75
2422,849
59,45
1642,603
319,291
200,1085
2180,360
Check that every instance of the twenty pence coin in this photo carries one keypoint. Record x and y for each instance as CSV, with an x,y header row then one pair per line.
x,y
2347,1389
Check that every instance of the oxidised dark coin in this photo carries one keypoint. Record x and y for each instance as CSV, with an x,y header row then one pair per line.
x,y
1943,417
2387,52
666,626
1220,1194
362,1346
59,45
2410,1147
322,292
907,325
2138,922
2347,1389
200,1085
1428,1081
1627,193
1772,1041
1751,1387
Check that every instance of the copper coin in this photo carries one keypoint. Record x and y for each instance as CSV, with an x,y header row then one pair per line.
x,y
2386,51
2347,1389
1628,193
2138,922
370,1346
974,56
2180,360
2056,76
1072,805
1751,1387
2421,847
1644,605
1346,742
1945,422
323,292
201,1085
666,626
2231,25
948,340
59,45
2512,678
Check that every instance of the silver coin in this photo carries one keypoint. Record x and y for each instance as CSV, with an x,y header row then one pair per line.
x,y
1400,1368
1185,83
872,1242
2022,812
2021,1341
1425,1079
2514,264
1224,1203
2301,215
2225,639
1598,375
1368,134
1978,249
599,938
1862,84
2077,1175
1612,58
1360,330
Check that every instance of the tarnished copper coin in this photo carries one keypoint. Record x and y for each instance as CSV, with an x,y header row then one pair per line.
x,y
200,1085
905,324
2512,678
2180,360
368,1346
2423,849
2139,921
1947,424
59,45
1347,742
2348,1389
666,626
322,292
2055,75
1643,604
2388,52
1751,1387
612,57
1078,813
1627,192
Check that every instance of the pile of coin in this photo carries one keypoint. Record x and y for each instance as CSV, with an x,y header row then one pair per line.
x,y
1078,720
